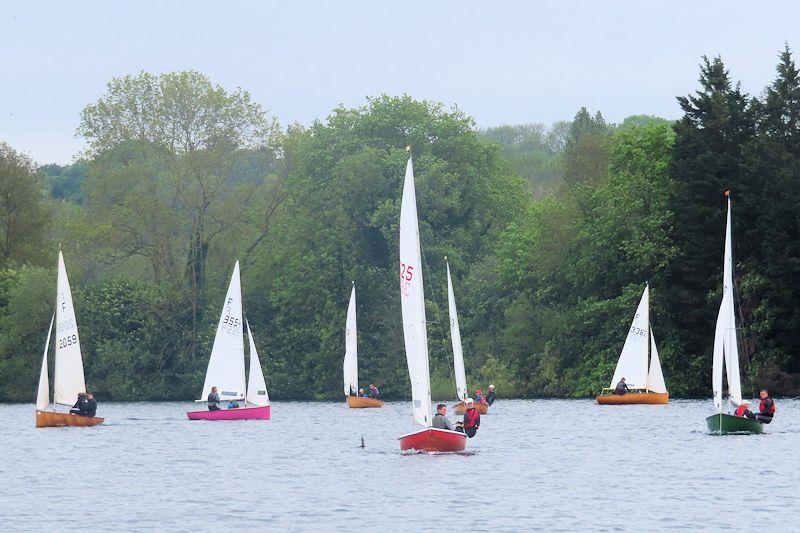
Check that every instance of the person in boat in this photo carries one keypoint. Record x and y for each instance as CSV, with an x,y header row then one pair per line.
x,y
472,419
233,404
213,400
479,396
766,408
440,420
490,396
91,404
743,411
621,388
80,406
362,393
374,392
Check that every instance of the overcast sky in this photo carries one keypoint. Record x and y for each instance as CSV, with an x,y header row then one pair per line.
x,y
500,62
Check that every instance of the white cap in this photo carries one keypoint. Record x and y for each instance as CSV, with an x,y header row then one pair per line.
x,y
468,400
491,386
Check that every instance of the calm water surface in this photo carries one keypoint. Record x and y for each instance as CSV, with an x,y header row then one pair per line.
x,y
535,464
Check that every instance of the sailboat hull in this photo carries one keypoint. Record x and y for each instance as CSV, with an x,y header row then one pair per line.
x,y
355,402
633,398
433,440
460,408
725,424
242,413
52,419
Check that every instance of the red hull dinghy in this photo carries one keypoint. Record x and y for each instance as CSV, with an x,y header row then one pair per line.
x,y
433,440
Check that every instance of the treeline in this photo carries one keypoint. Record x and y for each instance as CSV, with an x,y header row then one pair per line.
x,y
551,234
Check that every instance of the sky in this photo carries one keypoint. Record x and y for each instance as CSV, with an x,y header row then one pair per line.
x,y
508,62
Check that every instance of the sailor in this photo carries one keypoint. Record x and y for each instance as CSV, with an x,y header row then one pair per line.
x,y
213,400
479,396
621,388
362,393
80,406
233,404
472,419
743,411
374,392
91,404
490,396
766,407
440,419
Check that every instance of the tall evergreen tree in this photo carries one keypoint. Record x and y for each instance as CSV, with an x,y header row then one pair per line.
x,y
708,158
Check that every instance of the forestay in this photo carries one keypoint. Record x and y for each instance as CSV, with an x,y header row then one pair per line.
x,y
632,364
725,344
68,380
226,365
256,386
413,303
43,396
455,338
350,365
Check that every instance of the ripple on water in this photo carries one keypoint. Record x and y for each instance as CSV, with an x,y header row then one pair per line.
x,y
558,465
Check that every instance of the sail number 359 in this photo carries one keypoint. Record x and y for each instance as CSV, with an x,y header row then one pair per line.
x,y
406,275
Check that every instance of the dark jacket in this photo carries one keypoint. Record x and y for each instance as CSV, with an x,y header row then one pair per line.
x,y
490,397
91,407
213,399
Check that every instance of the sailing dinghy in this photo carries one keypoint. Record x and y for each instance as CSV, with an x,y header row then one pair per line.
x,y
350,365
726,353
226,365
412,297
68,380
646,386
458,352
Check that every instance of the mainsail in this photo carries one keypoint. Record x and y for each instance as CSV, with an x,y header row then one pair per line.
x,y
350,365
455,338
256,386
726,348
68,380
226,365
413,303
632,364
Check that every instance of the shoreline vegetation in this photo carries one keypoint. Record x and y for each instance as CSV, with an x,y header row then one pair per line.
x,y
551,233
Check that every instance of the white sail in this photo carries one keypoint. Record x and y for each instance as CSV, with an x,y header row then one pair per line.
x,y
726,347
68,380
43,396
413,303
655,377
226,365
632,364
455,338
350,365
256,386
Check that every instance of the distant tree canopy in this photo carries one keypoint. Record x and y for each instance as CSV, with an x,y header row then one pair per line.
x,y
551,234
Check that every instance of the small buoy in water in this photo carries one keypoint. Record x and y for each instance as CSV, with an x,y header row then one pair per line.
x,y
362,442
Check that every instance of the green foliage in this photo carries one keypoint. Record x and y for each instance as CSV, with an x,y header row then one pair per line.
x,y
551,235
23,211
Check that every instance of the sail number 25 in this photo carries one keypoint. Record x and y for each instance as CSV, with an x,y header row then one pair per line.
x,y
406,275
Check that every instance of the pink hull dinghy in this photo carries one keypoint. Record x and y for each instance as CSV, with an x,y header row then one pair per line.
x,y
242,413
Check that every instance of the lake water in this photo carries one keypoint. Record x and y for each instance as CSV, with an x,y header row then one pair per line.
x,y
535,464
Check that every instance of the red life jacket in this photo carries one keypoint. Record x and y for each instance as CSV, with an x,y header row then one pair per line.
x,y
765,408
740,410
473,418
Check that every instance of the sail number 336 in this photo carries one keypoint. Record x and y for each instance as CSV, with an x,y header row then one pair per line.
x,y
406,275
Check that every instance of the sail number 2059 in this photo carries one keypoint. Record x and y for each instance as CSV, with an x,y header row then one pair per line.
x,y
69,340
406,275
